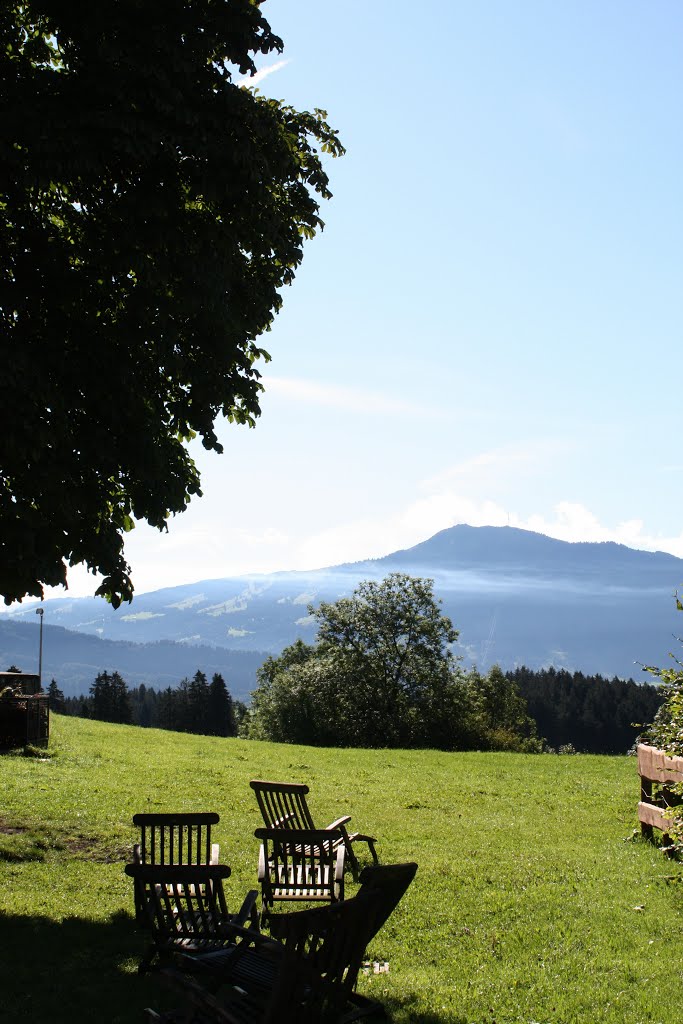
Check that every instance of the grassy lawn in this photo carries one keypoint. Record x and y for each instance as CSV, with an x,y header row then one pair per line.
x,y
531,902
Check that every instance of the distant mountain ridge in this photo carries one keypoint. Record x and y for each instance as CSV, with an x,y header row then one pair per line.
x,y
506,547
517,597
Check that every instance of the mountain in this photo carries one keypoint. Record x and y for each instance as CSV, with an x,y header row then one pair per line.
x,y
517,598
74,659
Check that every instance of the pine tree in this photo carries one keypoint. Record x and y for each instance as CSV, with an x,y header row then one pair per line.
x,y
56,698
221,712
111,699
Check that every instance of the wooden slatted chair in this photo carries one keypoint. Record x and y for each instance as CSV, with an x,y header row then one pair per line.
x,y
313,973
165,839
284,806
262,997
392,882
389,882
300,865
186,910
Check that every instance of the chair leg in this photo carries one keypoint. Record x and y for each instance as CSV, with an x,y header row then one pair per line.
x,y
352,861
145,964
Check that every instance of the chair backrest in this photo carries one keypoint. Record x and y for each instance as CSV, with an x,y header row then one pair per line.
x,y
175,838
390,882
300,864
323,952
283,804
183,904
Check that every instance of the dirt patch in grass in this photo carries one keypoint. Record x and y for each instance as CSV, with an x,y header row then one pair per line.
x,y
91,848
25,843
11,830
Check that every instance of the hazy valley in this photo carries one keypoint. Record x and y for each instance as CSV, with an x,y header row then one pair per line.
x,y
516,597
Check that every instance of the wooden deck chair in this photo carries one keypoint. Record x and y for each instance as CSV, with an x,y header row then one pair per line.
x,y
186,911
314,971
284,806
300,865
389,882
166,839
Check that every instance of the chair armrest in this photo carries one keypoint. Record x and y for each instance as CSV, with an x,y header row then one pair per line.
x,y
248,911
243,937
167,874
340,821
262,865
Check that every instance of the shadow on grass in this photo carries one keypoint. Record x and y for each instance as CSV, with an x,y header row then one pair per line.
x,y
83,970
404,1009
76,970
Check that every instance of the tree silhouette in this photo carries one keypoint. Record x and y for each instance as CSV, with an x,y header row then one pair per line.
x,y
151,210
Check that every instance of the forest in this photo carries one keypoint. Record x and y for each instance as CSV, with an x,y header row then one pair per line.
x,y
194,706
571,711
593,714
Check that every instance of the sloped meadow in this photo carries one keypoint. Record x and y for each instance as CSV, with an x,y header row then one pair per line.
x,y
535,901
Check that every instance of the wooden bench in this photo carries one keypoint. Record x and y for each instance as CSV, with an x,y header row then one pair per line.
x,y
658,772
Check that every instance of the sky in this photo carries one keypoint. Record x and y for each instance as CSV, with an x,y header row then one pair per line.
x,y
488,331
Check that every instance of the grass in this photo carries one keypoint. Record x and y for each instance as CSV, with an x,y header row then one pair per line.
x,y
533,903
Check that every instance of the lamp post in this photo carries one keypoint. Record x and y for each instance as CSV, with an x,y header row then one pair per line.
x,y
39,611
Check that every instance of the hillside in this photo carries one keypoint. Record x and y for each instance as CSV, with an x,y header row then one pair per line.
x,y
517,598
537,909
74,659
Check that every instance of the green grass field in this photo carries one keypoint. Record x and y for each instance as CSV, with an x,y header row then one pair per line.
x,y
532,901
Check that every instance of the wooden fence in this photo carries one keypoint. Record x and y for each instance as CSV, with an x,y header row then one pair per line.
x,y
658,771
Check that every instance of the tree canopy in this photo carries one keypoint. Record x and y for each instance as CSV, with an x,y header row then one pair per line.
x,y
151,210
382,673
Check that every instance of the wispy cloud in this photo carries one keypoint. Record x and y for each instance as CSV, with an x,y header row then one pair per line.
x,y
525,456
314,392
572,521
249,81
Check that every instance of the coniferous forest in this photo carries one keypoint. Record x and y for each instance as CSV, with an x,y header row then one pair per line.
x,y
195,705
590,714
593,714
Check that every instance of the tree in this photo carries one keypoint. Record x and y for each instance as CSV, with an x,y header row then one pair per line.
x,y
220,716
56,698
198,701
382,673
504,721
111,698
151,210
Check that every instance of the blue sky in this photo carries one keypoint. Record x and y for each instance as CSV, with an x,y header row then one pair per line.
x,y
489,328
